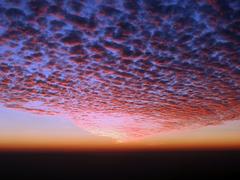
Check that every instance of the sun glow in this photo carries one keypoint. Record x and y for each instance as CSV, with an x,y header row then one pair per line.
x,y
120,126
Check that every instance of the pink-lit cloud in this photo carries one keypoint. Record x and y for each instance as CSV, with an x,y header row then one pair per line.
x,y
122,68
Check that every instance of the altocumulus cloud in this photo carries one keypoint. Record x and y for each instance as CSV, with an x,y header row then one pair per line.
x,y
123,68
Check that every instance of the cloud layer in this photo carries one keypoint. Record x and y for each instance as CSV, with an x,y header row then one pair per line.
x,y
124,69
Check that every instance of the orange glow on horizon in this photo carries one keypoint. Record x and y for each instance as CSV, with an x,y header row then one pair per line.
x,y
168,142
27,132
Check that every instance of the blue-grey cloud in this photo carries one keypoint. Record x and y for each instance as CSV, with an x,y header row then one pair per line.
x,y
122,68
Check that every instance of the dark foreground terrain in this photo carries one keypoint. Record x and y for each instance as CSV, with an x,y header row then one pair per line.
x,y
121,165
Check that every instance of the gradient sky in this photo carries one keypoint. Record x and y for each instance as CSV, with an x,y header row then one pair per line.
x,y
107,71
23,131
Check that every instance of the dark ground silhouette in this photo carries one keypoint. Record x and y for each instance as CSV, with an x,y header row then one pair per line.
x,y
121,165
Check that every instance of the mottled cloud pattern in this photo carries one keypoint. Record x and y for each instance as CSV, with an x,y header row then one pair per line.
x,y
122,68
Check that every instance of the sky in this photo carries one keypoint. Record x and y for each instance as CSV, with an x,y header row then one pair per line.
x,y
27,131
119,73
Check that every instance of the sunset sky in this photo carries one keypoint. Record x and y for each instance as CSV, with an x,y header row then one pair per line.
x,y
26,131
119,74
